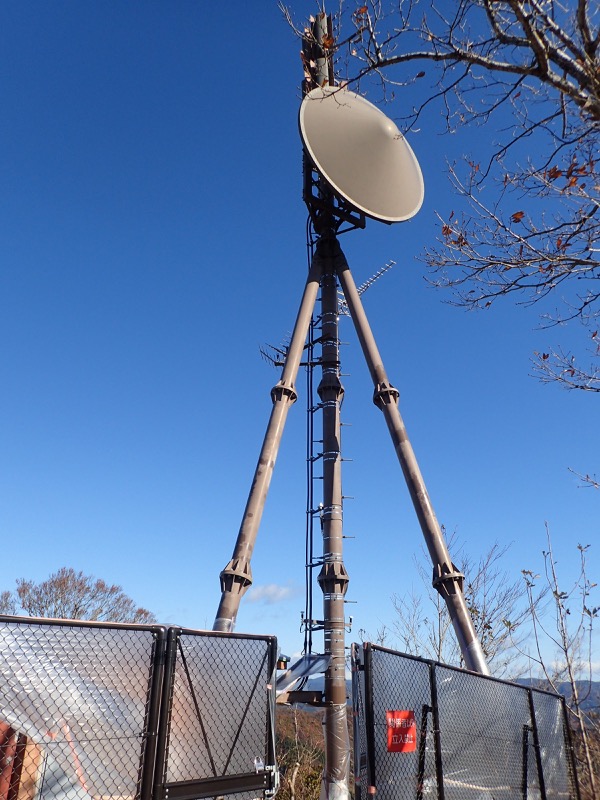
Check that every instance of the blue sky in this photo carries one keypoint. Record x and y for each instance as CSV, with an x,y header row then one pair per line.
x,y
152,238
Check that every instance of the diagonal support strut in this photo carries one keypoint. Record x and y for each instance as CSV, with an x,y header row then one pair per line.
x,y
236,577
447,579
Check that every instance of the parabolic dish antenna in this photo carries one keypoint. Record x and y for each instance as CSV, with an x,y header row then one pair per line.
x,y
361,153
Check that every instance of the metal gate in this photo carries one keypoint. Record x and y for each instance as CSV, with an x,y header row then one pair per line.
x,y
216,731
427,730
129,712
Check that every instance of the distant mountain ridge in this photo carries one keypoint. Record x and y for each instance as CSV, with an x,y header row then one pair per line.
x,y
590,690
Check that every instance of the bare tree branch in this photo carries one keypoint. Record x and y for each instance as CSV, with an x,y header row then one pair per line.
x,y
527,222
571,637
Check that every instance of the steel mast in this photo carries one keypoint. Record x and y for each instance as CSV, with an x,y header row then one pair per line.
x,y
333,578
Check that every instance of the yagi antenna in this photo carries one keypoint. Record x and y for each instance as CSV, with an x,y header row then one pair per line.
x,y
361,154
273,355
343,305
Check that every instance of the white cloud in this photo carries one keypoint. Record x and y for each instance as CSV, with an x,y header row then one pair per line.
x,y
270,594
595,669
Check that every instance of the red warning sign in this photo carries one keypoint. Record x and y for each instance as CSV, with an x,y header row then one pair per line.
x,y
401,731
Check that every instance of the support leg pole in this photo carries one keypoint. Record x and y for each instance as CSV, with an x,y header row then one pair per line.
x,y
237,575
447,579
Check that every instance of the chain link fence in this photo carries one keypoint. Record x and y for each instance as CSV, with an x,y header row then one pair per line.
x,y
426,730
123,712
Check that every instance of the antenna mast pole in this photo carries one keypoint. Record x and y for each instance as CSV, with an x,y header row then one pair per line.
x,y
333,577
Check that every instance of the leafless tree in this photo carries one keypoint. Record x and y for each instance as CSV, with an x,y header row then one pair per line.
x,y
526,222
300,753
67,594
8,604
569,631
497,605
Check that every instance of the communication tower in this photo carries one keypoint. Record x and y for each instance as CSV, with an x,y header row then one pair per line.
x,y
357,165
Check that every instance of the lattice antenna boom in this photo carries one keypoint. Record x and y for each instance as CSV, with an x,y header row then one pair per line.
x,y
343,306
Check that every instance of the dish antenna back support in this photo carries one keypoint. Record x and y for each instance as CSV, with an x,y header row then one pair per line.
x,y
356,164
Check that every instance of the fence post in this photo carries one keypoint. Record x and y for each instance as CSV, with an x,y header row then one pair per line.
x,y
570,747
369,719
153,711
357,666
525,757
271,756
536,746
165,711
425,711
439,767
